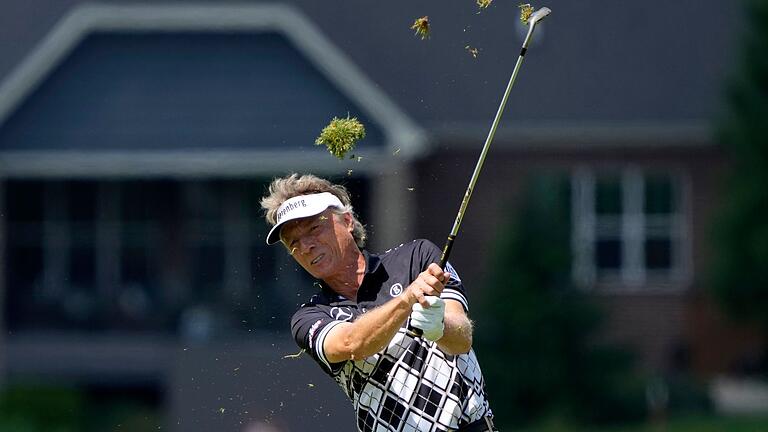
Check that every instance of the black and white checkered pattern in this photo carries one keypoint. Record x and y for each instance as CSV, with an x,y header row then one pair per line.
x,y
388,394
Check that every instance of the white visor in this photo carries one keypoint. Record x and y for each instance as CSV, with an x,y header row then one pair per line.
x,y
300,207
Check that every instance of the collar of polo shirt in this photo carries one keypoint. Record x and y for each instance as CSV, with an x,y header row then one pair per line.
x,y
300,207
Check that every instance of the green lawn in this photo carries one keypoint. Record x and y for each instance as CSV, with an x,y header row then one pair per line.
x,y
693,424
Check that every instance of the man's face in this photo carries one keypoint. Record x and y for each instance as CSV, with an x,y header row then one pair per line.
x,y
320,243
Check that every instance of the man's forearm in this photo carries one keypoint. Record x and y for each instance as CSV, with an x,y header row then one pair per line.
x,y
373,330
457,335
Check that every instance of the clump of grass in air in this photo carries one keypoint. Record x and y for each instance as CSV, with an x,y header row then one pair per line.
x,y
421,27
525,12
341,135
484,3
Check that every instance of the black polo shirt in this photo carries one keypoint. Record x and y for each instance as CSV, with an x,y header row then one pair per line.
x,y
410,385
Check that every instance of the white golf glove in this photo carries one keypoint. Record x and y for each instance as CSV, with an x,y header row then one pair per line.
x,y
429,320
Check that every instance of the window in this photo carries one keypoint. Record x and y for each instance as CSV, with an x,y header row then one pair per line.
x,y
630,229
148,255
145,255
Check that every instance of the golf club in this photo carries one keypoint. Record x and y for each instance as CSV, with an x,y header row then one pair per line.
x,y
534,18
532,21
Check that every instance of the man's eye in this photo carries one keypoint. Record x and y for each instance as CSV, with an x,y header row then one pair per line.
x,y
314,227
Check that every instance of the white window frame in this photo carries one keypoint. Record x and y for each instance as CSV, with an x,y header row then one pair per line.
x,y
632,275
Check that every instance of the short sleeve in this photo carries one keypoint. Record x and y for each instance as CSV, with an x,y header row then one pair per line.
x,y
309,326
429,253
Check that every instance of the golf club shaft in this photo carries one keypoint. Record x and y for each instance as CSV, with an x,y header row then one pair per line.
x,y
446,252
481,160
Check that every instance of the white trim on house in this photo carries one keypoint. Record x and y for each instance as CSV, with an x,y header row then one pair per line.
x,y
400,132
185,163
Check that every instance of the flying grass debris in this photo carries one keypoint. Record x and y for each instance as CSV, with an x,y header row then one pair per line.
x,y
293,356
525,12
421,27
472,50
341,135
483,4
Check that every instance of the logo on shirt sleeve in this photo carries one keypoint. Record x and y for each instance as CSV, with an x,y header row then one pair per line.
x,y
341,313
452,271
396,289
312,331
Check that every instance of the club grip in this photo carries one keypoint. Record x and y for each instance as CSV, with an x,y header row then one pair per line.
x,y
416,332
446,251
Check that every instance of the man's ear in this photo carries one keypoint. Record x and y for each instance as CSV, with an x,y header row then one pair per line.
x,y
349,222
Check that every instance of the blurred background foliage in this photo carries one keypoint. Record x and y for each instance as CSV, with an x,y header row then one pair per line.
x,y
37,408
684,424
740,268
44,408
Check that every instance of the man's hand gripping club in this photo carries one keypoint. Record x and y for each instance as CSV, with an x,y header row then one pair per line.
x,y
430,320
428,313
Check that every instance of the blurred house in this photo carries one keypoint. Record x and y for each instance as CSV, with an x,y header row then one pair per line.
x,y
136,140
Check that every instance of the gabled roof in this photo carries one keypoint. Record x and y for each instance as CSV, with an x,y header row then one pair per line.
x,y
400,133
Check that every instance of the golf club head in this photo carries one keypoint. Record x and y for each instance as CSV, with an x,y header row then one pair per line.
x,y
538,15
532,20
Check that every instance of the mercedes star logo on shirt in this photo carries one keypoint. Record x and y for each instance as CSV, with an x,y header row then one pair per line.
x,y
341,313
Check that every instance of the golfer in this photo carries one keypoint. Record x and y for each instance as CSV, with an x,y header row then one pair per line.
x,y
358,326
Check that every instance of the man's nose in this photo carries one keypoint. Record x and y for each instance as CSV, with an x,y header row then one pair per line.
x,y
306,245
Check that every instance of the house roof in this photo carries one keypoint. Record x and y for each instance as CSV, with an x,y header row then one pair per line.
x,y
111,39
593,65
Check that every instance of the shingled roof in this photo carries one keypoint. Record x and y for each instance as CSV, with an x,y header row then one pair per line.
x,y
593,64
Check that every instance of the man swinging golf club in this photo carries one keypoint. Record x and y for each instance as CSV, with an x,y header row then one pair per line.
x,y
356,326
392,329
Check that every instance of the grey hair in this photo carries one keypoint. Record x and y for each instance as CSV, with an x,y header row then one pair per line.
x,y
284,188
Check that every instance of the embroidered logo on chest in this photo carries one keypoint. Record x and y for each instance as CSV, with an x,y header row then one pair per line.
x,y
395,290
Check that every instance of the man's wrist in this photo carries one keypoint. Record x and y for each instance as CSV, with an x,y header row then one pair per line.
x,y
404,303
409,298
